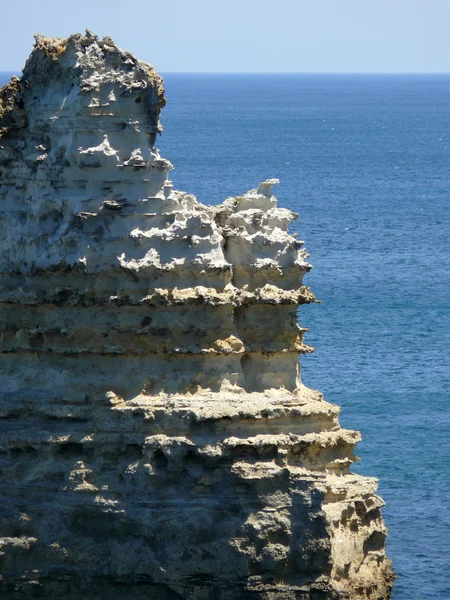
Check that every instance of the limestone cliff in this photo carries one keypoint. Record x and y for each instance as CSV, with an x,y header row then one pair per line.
x,y
156,440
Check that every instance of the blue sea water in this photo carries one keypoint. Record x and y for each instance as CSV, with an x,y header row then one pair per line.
x,y
364,160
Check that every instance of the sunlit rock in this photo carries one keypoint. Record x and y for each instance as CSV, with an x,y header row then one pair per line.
x,y
156,439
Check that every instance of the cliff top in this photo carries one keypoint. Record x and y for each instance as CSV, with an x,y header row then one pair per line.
x,y
83,62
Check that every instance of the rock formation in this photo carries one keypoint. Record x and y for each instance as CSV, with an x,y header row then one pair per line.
x,y
156,440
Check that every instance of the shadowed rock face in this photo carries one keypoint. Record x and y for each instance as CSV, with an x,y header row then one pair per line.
x,y
156,439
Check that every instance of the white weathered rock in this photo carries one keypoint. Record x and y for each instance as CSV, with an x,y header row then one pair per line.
x,y
157,440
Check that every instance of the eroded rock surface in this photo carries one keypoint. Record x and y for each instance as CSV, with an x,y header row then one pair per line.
x,y
156,439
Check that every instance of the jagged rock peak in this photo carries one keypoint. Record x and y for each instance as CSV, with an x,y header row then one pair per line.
x,y
73,68
156,439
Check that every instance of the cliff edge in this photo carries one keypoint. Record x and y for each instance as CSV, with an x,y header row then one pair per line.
x,y
156,439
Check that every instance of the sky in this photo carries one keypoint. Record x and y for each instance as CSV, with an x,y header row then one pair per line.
x,y
250,36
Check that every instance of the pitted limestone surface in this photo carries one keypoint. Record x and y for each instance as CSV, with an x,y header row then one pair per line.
x,y
156,438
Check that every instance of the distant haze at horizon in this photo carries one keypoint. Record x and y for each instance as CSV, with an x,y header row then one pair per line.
x,y
300,37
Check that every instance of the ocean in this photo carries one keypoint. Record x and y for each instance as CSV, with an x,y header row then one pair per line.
x,y
364,161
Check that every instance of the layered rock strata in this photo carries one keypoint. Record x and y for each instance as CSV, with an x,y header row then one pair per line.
x,y
156,440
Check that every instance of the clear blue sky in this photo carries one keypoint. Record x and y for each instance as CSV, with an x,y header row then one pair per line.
x,y
362,36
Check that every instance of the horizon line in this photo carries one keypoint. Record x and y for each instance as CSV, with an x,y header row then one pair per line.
x,y
431,73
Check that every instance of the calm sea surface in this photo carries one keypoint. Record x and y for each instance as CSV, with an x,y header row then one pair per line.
x,y
364,160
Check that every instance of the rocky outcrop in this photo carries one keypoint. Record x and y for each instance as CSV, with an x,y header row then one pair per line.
x,y
156,440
